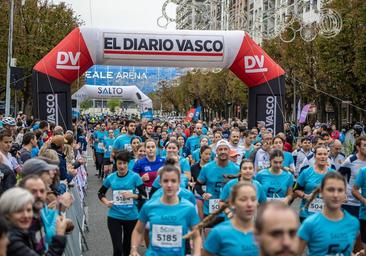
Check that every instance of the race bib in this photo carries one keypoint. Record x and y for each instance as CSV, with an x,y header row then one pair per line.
x,y
120,200
110,148
316,205
167,238
100,145
213,205
275,198
128,147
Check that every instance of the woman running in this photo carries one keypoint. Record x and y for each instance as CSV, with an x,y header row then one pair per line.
x,y
332,231
276,182
309,180
234,237
288,159
173,149
169,218
122,215
246,175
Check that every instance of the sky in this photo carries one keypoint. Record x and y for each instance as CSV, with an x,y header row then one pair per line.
x,y
122,14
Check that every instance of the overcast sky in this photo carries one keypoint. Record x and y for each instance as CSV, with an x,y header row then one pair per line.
x,y
123,14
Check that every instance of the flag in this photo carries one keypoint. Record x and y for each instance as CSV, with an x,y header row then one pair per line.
x,y
190,115
197,113
304,113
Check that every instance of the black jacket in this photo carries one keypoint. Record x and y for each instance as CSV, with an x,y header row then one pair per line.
x,y
7,178
23,242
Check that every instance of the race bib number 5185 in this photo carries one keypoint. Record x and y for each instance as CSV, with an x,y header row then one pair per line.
x,y
167,236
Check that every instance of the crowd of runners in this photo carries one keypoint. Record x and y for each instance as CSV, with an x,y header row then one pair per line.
x,y
188,188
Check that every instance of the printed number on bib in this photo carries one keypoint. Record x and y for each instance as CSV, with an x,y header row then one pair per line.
x,y
119,199
167,236
100,145
316,205
213,205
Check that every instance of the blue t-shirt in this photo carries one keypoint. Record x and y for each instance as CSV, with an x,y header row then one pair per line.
x,y
123,209
123,142
275,186
361,183
193,143
184,165
168,224
248,152
83,143
225,239
182,193
196,155
225,193
329,237
131,164
34,152
99,136
108,147
183,182
288,160
212,176
309,179
116,132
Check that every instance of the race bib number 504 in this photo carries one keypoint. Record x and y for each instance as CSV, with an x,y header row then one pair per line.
x,y
167,237
213,205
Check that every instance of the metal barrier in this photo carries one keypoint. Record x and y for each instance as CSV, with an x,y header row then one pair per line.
x,y
76,241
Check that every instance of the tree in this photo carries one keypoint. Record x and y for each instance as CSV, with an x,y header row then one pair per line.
x,y
38,27
113,103
86,104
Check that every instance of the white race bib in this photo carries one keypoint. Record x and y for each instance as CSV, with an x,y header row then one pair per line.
x,y
213,205
100,145
275,198
119,199
316,205
167,236
110,148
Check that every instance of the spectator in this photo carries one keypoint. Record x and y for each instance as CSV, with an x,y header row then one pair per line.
x,y
7,177
57,144
29,141
16,205
5,146
4,240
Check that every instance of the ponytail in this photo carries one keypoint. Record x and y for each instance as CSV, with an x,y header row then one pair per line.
x,y
207,221
314,194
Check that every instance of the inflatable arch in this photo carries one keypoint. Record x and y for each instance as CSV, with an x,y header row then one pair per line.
x,y
130,93
87,46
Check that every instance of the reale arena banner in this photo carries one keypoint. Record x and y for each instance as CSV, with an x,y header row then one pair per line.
x,y
87,46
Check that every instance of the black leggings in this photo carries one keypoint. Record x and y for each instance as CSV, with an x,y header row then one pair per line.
x,y
115,228
99,159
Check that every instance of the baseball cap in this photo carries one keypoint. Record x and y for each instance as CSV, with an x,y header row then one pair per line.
x,y
37,166
233,153
58,140
221,143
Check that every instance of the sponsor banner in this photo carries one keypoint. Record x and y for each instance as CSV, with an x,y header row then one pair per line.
x,y
163,47
268,107
53,108
253,66
304,113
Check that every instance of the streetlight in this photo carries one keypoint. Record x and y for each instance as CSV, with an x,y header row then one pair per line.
x,y
10,53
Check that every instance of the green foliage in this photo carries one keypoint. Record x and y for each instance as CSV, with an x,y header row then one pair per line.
x,y
112,104
39,26
86,104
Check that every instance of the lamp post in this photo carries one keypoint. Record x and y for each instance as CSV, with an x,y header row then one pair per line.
x,y
10,53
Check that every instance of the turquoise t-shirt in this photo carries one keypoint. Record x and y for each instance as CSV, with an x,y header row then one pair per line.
x,y
248,152
123,209
226,240
309,179
288,160
196,155
131,164
100,136
212,176
108,147
183,182
184,165
361,183
116,133
35,151
168,224
225,193
193,143
329,237
123,142
275,186
182,193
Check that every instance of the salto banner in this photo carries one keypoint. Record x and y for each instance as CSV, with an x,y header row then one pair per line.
x,y
86,46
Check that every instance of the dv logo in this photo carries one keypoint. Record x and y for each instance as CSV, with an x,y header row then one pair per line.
x,y
67,60
254,64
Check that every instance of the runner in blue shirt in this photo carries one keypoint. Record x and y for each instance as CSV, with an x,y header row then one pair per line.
x,y
246,175
360,183
288,160
124,141
122,214
172,149
99,137
108,148
169,219
276,182
193,142
212,175
196,154
235,237
138,149
309,180
332,231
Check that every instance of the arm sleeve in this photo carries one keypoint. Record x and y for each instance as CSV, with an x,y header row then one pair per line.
x,y
102,191
198,188
300,183
142,191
